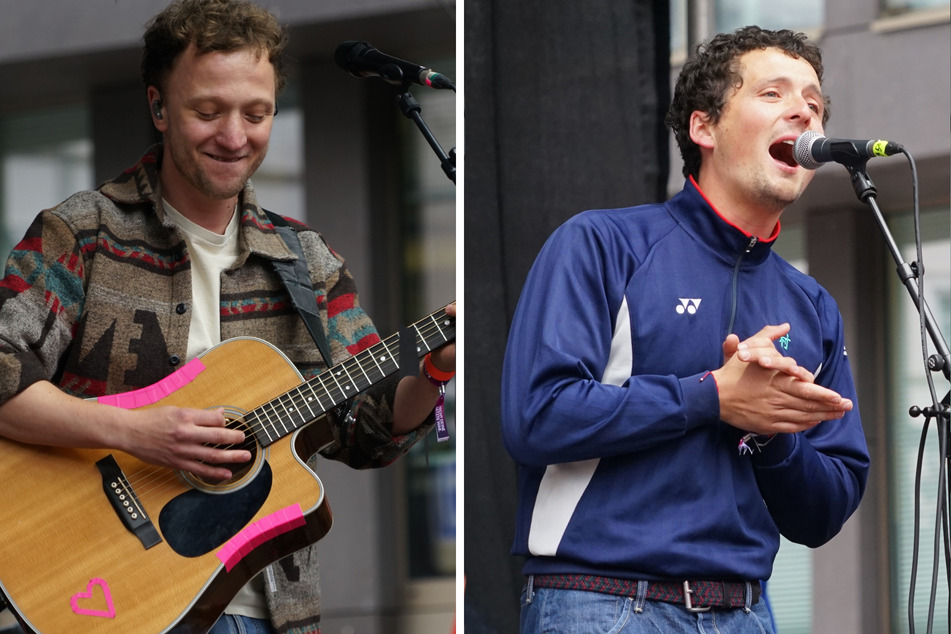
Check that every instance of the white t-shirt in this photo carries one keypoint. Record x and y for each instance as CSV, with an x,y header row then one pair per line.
x,y
210,253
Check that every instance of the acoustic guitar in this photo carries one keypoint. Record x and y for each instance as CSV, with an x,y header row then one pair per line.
x,y
100,542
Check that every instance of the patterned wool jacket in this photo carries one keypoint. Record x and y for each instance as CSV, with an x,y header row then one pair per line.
x,y
96,298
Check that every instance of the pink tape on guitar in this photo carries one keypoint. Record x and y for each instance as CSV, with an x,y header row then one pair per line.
x,y
87,598
259,532
157,391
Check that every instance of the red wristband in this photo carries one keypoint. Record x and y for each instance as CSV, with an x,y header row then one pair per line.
x,y
435,373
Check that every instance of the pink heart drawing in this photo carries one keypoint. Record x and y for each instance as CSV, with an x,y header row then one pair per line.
x,y
110,612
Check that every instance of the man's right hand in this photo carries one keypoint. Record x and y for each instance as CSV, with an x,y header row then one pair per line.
x,y
192,440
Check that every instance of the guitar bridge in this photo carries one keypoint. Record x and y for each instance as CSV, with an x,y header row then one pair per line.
x,y
125,503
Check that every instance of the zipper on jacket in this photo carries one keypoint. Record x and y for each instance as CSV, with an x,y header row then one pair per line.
x,y
736,275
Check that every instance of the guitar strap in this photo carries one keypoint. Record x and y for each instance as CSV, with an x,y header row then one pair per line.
x,y
296,279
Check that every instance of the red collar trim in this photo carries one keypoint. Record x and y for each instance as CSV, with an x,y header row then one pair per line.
x,y
772,236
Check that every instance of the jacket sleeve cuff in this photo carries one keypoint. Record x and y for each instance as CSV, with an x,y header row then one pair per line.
x,y
776,451
18,372
701,400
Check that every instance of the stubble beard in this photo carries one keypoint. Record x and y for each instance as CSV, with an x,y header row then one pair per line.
x,y
188,165
771,196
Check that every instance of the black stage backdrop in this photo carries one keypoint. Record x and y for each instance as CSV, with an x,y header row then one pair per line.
x,y
564,106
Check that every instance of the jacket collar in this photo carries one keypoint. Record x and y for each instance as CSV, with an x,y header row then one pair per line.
x,y
140,185
698,217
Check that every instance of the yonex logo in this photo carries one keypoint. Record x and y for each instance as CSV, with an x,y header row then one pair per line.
x,y
688,305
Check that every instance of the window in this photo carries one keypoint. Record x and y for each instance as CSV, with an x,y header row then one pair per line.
x,y
732,14
790,589
728,15
46,157
908,387
892,7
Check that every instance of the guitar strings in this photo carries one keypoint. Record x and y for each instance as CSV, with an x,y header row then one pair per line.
x,y
293,402
431,331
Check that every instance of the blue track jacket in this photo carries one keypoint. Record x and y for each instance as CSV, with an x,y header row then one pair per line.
x,y
625,469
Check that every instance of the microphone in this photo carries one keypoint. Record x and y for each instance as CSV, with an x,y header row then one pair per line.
x,y
812,149
360,59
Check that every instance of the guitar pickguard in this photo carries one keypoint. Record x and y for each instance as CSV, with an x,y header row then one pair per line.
x,y
195,523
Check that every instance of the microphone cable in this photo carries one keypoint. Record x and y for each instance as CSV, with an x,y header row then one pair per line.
x,y
941,526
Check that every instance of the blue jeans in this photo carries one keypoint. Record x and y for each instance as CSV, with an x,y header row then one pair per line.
x,y
551,611
235,624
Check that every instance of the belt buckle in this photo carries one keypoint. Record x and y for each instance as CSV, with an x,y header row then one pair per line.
x,y
688,603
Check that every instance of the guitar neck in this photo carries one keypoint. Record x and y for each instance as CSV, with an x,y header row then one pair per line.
x,y
314,398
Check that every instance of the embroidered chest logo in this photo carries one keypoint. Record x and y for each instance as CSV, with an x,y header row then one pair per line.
x,y
784,342
688,305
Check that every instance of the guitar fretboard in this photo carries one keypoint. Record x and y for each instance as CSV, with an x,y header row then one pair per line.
x,y
311,399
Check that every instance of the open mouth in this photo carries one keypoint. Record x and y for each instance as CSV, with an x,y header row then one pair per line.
x,y
782,151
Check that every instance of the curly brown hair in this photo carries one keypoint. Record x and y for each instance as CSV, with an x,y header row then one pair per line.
x,y
714,69
211,25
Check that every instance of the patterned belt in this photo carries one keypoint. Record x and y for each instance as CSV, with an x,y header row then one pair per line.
x,y
697,596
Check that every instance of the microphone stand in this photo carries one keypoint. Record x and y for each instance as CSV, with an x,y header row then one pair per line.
x,y
393,75
940,361
411,110
907,273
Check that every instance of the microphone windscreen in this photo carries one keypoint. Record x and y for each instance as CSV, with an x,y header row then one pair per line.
x,y
348,51
802,150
